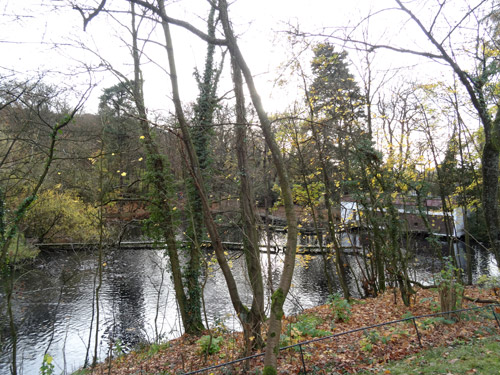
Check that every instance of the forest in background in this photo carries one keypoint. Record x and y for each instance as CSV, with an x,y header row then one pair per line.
x,y
66,176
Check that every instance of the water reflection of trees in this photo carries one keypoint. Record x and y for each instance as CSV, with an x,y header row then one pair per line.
x,y
129,296
125,278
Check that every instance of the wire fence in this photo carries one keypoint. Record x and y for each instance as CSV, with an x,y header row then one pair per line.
x,y
412,320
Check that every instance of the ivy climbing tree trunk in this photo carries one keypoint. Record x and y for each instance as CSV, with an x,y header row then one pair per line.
x,y
201,130
159,174
241,310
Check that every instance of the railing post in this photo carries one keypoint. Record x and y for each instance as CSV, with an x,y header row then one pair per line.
x,y
418,333
302,358
304,369
495,315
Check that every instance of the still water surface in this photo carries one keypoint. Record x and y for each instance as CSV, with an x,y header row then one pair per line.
x,y
54,301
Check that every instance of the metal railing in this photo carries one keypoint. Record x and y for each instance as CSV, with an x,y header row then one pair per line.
x,y
366,328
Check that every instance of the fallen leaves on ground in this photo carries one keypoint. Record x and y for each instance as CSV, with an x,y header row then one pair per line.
x,y
345,354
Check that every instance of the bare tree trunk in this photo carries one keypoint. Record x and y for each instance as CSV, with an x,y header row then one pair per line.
x,y
249,220
279,296
491,151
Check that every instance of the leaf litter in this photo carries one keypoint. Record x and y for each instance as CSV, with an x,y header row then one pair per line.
x,y
365,350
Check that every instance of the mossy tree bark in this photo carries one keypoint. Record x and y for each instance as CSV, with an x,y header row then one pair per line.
x,y
252,335
240,309
159,174
279,296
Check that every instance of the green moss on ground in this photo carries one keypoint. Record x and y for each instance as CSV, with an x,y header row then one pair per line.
x,y
478,356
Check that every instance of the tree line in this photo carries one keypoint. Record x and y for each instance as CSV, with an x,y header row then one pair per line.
x,y
382,142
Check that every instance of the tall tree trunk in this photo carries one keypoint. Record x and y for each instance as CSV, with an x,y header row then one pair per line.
x,y
311,204
490,159
160,178
268,200
249,220
200,131
279,296
340,259
491,150
196,174
463,182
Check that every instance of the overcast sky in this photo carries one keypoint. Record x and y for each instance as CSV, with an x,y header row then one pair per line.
x,y
37,37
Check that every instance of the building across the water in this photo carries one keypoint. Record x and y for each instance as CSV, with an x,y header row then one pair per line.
x,y
410,216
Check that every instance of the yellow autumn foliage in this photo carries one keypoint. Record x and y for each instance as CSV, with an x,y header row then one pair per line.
x,y
61,216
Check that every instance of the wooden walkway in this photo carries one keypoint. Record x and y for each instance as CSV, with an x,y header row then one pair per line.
x,y
150,245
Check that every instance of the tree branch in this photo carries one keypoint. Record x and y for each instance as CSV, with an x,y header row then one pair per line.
x,y
463,77
462,20
373,47
183,24
86,20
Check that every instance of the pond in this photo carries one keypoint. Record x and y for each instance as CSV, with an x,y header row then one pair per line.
x,y
54,306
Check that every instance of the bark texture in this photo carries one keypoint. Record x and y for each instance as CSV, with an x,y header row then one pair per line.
x,y
279,296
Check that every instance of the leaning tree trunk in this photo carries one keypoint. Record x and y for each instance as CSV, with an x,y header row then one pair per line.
x,y
252,335
279,296
196,174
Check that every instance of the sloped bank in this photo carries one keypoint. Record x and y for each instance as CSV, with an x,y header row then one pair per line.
x,y
346,354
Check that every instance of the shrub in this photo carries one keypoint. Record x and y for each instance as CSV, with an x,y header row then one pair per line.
x,y
449,287
374,337
209,344
306,325
341,309
47,367
61,215
491,283
155,348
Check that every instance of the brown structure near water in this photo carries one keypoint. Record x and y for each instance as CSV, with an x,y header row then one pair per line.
x,y
347,216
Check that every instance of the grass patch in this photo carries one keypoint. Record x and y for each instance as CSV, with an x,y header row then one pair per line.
x,y
478,356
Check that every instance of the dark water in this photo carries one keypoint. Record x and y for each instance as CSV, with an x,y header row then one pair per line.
x,y
54,304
